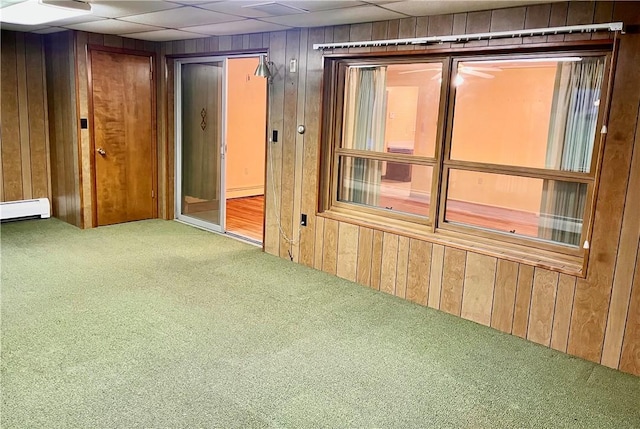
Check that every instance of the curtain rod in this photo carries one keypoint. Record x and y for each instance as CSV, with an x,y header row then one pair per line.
x,y
459,38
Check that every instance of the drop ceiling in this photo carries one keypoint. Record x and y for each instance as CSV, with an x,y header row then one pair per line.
x,y
178,20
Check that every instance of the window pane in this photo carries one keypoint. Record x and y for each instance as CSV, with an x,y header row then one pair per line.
x,y
392,108
395,186
538,113
551,210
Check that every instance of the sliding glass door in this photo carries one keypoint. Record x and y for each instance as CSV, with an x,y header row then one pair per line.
x,y
200,125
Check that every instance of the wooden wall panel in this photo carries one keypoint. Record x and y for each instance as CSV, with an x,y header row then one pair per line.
x,y
543,298
478,22
38,116
504,295
299,142
435,278
402,267
440,25
523,301
376,259
347,259
418,271
23,116
24,149
630,356
288,134
389,263
360,32
406,30
579,11
82,39
591,318
311,140
11,148
479,283
562,313
625,263
453,280
537,17
365,250
506,20
277,54
330,246
63,127
319,244
558,18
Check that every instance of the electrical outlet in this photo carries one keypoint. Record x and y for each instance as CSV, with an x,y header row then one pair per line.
x,y
303,219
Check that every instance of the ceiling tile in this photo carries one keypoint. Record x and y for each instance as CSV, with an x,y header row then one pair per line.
x,y
4,3
346,15
117,9
236,27
386,1
19,27
194,2
185,16
317,5
164,35
50,30
112,26
422,8
239,8
76,20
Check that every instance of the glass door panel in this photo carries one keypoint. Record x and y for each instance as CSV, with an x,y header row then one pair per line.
x,y
202,108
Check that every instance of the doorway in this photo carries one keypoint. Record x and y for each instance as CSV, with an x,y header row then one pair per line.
x,y
122,106
221,122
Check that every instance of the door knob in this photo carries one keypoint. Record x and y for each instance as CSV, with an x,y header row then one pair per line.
x,y
101,151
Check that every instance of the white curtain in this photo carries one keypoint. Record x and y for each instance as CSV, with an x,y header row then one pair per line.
x,y
572,133
363,129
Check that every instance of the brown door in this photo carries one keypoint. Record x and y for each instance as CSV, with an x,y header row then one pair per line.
x,y
123,137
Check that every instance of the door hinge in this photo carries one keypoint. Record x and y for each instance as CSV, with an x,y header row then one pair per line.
x,y
603,130
153,193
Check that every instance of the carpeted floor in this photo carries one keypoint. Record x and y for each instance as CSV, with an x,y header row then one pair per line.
x,y
159,325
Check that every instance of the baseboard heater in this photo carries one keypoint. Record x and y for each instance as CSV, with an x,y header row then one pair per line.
x,y
25,209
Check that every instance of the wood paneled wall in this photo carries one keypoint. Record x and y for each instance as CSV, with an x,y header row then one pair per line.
x,y
596,318
63,127
24,149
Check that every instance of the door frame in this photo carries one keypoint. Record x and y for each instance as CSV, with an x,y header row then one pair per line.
x,y
177,111
91,127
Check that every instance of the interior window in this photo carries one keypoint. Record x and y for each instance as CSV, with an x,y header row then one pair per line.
x,y
389,130
501,147
537,117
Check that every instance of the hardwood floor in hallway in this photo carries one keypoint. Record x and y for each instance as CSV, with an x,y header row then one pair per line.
x,y
245,217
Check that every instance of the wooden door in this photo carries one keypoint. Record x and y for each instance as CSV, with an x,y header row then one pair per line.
x,y
122,100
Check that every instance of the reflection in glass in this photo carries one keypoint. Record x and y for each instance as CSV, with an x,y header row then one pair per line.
x,y
551,210
392,108
201,133
397,186
539,113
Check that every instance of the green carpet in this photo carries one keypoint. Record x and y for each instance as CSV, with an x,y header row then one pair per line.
x,y
159,325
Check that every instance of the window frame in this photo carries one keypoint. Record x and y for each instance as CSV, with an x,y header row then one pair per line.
x,y
335,132
435,228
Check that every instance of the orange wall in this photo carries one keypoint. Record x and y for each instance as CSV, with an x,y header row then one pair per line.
x,y
511,127
246,129
402,103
